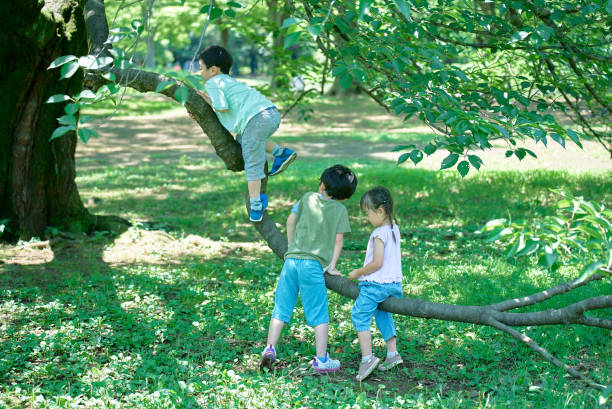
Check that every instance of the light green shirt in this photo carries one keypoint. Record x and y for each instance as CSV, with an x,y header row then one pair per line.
x,y
318,222
241,102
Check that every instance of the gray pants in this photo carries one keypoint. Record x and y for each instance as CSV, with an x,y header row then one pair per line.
x,y
253,141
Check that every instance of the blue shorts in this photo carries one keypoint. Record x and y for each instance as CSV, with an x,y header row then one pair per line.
x,y
366,306
306,278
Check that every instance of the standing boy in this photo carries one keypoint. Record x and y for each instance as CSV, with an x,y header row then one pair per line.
x,y
249,115
315,231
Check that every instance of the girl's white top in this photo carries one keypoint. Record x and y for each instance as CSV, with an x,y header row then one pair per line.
x,y
391,270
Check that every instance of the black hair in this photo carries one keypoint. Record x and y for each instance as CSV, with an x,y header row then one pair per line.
x,y
376,198
339,182
215,55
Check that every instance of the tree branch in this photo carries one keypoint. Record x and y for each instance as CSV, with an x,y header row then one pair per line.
x,y
544,353
543,295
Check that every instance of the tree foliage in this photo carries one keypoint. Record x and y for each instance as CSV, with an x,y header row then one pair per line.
x,y
474,71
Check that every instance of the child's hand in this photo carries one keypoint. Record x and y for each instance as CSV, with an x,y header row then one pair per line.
x,y
354,275
334,271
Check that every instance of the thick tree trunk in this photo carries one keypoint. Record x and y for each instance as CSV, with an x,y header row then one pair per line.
x,y
37,185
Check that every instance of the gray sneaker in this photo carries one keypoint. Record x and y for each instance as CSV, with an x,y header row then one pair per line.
x,y
366,368
391,362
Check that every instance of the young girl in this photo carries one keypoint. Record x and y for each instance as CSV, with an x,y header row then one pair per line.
x,y
379,278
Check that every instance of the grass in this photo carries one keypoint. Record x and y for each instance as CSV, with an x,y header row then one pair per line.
x,y
173,312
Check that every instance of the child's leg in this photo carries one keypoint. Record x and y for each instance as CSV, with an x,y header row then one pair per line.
x,y
274,331
365,342
321,338
392,345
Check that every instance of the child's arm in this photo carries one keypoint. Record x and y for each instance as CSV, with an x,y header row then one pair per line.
x,y
338,243
291,223
206,98
375,264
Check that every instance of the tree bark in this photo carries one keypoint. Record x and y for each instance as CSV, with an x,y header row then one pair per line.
x,y
37,185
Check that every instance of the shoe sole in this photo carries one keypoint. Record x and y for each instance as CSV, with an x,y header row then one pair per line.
x,y
325,371
285,164
361,378
383,368
256,220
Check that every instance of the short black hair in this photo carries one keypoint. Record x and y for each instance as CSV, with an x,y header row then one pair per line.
x,y
215,55
339,182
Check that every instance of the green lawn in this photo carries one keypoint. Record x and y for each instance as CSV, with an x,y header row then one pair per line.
x,y
86,331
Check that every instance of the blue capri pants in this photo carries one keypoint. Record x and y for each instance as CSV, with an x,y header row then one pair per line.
x,y
366,306
306,278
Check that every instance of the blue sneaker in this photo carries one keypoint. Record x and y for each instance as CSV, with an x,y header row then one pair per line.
x,y
267,358
329,366
282,161
257,215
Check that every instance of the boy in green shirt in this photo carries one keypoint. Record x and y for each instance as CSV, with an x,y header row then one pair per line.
x,y
315,230
249,115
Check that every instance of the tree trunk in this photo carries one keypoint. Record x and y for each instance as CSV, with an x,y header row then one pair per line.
x,y
277,13
37,185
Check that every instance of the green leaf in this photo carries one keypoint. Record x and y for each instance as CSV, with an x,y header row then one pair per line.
x,y
61,61
291,39
574,136
416,156
463,168
234,4
609,10
530,247
502,233
402,147
181,94
85,134
475,161
215,13
551,256
558,138
403,6
90,62
72,108
289,22
57,98
545,32
429,149
603,398
230,13
502,130
86,94
346,81
164,85
315,30
449,161
69,69
591,269
67,120
61,131
509,153
364,7
520,153
403,158
518,36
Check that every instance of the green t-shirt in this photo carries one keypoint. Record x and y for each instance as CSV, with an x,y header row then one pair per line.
x,y
318,222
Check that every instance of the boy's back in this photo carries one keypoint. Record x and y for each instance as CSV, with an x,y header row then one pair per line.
x,y
318,222
239,101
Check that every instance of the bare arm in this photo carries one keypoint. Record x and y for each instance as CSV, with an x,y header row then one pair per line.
x,y
338,243
375,264
291,223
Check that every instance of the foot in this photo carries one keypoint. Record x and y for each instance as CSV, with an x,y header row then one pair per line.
x,y
366,368
268,356
255,214
390,363
330,365
282,161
